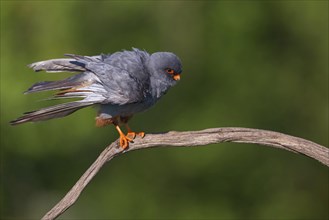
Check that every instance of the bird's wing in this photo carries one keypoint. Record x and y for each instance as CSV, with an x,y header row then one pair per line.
x,y
123,84
60,65
74,81
118,78
131,61
98,83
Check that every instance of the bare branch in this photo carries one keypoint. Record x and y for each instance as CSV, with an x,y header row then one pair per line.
x,y
188,139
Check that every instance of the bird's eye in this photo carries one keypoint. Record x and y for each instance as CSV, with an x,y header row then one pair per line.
x,y
170,71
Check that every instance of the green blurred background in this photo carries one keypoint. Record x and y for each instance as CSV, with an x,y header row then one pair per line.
x,y
246,63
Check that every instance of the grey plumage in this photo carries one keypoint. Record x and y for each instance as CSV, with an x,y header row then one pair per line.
x,y
55,111
122,83
59,65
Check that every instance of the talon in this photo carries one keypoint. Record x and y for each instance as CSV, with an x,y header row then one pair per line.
x,y
131,135
141,134
124,140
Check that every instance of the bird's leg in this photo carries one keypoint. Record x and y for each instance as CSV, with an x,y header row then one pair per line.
x,y
124,140
131,134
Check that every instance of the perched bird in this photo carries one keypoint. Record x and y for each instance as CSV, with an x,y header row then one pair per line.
x,y
119,84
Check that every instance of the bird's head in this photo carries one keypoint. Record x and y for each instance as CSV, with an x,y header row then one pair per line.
x,y
165,66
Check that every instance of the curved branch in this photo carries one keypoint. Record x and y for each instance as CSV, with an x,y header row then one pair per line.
x,y
193,138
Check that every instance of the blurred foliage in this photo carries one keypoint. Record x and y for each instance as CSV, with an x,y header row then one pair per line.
x,y
258,64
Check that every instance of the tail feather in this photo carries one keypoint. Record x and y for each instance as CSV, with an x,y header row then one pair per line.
x,y
55,111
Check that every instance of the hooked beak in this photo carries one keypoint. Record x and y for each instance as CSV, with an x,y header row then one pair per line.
x,y
176,77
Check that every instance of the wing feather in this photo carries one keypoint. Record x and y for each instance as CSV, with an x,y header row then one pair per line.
x,y
60,65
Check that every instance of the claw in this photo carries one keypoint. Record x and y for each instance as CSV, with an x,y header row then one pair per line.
x,y
141,134
124,140
133,134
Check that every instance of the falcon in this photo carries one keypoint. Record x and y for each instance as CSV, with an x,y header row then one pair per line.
x,y
119,85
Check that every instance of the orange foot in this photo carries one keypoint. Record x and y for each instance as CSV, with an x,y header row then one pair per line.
x,y
132,134
125,139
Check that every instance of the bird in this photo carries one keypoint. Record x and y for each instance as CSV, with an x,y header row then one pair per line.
x,y
118,84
